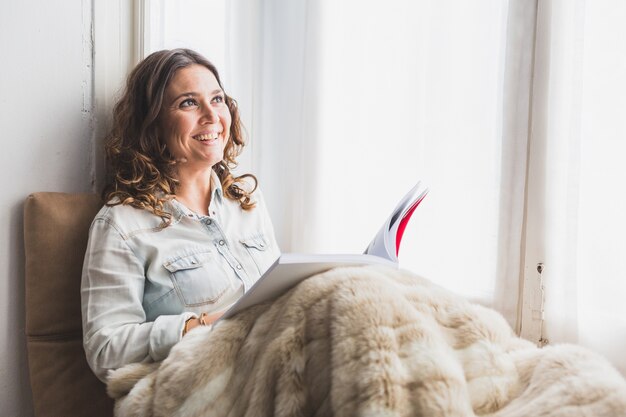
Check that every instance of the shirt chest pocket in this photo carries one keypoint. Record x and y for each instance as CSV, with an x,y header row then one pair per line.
x,y
198,278
260,252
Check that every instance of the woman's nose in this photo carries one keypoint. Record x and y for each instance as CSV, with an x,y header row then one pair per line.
x,y
209,115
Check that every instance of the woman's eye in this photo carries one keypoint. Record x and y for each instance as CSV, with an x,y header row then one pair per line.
x,y
188,103
218,99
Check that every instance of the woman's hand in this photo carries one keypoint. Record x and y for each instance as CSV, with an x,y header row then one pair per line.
x,y
204,320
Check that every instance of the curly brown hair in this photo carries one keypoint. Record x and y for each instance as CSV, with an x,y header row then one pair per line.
x,y
141,172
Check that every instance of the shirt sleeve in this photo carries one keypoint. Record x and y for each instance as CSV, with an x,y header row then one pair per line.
x,y
115,330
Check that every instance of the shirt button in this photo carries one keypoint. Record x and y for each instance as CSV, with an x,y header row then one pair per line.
x,y
221,242
194,262
238,266
209,221
261,245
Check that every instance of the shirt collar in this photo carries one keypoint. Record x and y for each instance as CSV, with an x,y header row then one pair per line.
x,y
216,187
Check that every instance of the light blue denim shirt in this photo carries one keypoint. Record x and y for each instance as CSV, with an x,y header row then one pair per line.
x,y
141,282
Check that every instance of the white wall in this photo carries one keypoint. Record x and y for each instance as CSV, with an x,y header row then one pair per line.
x,y
46,123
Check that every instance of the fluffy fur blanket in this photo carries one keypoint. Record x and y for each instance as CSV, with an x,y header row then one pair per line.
x,y
368,342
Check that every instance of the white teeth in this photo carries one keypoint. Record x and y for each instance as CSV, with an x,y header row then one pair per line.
x,y
206,136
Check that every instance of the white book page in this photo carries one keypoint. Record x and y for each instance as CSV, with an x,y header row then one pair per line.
x,y
292,268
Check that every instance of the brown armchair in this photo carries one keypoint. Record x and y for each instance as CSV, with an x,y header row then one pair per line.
x,y
55,235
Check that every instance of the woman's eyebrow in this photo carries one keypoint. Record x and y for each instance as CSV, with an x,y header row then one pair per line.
x,y
187,94
195,94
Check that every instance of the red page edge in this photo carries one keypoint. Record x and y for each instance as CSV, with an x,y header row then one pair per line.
x,y
404,222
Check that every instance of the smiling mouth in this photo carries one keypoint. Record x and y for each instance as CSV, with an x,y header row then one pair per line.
x,y
206,137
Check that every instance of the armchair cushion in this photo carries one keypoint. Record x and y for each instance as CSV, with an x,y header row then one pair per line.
x,y
56,227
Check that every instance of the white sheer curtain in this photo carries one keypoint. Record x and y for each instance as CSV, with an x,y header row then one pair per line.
x,y
580,140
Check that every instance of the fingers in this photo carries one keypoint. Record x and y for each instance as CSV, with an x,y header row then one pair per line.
x,y
213,317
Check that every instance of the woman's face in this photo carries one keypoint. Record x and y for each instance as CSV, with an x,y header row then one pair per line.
x,y
195,120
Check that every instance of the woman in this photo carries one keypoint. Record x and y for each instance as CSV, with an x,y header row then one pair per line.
x,y
180,238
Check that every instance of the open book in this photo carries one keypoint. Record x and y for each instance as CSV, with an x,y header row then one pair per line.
x,y
291,268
